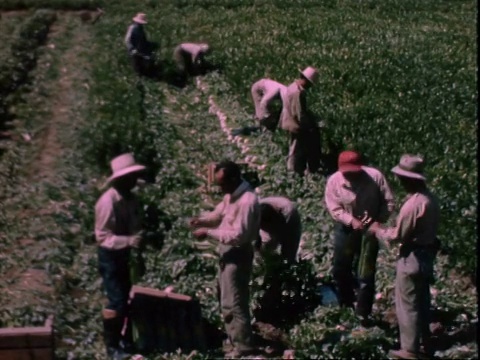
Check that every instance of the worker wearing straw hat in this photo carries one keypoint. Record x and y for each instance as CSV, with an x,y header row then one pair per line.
x,y
190,58
117,229
304,148
138,47
416,230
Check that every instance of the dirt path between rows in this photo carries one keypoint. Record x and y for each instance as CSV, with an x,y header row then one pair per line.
x,y
62,103
29,283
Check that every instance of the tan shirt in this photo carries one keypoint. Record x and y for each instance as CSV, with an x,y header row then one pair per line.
x,y
370,193
294,111
417,221
289,223
264,92
236,220
117,219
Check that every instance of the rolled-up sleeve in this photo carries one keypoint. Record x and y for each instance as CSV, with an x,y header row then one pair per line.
x,y
334,205
239,232
105,227
128,39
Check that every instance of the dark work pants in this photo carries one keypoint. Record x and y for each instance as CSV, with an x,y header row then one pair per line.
x,y
113,266
142,66
354,263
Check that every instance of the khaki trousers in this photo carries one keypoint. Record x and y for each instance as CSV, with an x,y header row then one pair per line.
x,y
412,299
234,278
304,151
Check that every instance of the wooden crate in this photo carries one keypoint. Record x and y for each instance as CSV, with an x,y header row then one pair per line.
x,y
28,343
165,321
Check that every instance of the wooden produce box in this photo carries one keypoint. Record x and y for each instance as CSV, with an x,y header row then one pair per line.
x,y
28,343
165,321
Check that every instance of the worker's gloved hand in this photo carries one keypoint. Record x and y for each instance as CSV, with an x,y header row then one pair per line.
x,y
134,52
134,241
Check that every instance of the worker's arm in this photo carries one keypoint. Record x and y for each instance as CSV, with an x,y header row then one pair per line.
x,y
211,218
105,228
238,234
334,206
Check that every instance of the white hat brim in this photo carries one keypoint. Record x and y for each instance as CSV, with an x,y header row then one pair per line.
x,y
303,75
123,172
405,173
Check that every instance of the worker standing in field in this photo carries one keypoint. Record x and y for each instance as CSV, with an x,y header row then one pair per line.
x,y
190,58
139,48
416,230
117,230
264,93
304,132
234,225
353,192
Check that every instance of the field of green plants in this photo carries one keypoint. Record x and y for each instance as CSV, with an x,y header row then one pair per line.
x,y
395,77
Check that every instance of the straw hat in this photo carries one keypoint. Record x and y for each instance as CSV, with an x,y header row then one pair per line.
x,y
410,166
349,161
311,74
140,18
123,165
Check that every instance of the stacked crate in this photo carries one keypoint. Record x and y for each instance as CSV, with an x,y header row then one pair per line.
x,y
165,321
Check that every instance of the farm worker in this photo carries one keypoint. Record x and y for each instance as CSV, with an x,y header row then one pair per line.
x,y
138,47
280,227
350,193
117,230
296,119
264,93
190,58
416,230
234,225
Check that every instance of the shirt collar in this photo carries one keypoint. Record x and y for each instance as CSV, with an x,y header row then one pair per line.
x,y
244,186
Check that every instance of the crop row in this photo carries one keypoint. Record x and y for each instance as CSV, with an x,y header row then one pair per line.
x,y
23,55
49,4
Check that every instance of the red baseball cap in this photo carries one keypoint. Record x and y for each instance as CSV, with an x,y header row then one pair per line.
x,y
349,161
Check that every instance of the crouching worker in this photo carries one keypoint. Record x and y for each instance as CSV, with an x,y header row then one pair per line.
x,y
190,59
139,48
234,225
264,94
280,227
117,230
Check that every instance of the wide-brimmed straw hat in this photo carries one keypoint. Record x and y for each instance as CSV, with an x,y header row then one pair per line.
x,y
349,161
410,166
123,165
310,73
140,18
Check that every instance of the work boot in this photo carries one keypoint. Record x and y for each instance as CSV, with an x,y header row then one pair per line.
x,y
112,332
